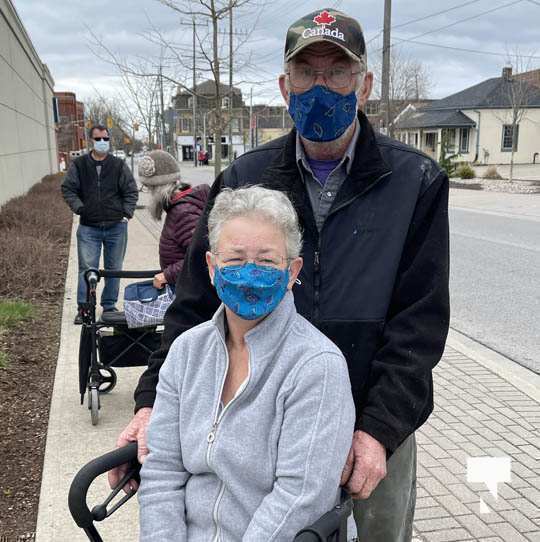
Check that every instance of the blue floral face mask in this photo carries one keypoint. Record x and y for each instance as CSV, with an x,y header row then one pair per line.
x,y
320,114
251,291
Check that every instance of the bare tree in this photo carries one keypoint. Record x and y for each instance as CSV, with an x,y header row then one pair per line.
x,y
175,63
409,81
517,94
140,88
211,12
98,110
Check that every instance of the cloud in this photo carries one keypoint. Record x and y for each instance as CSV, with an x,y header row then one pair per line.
x,y
58,29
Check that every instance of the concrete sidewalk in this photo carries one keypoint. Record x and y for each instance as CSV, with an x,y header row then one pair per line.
x,y
485,406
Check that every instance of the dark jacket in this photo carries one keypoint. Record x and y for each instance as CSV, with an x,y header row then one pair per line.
x,y
375,281
182,216
103,200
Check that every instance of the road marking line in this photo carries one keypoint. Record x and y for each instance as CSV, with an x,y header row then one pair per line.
x,y
496,241
530,218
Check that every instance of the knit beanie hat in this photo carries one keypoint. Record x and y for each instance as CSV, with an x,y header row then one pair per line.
x,y
158,168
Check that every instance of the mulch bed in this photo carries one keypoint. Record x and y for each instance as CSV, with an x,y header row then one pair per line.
x,y
26,383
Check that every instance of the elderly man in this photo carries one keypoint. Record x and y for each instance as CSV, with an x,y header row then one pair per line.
x,y
374,213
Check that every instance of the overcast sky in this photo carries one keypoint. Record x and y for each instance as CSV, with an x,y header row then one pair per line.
x,y
58,29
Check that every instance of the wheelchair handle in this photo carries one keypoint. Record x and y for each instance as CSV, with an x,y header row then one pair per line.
x,y
328,524
83,479
119,273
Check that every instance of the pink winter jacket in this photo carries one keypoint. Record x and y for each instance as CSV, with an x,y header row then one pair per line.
x,y
182,217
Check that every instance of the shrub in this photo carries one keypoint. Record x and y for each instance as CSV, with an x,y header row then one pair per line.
x,y
466,172
31,229
492,173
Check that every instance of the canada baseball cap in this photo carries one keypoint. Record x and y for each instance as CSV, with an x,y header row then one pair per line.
x,y
328,25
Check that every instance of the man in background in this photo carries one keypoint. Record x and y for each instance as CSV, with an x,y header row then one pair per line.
x,y
100,188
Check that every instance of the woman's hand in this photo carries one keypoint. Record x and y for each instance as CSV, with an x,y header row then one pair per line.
x,y
159,280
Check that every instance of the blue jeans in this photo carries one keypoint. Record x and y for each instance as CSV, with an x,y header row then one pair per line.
x,y
89,242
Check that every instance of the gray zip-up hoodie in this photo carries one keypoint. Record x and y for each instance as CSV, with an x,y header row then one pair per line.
x,y
266,465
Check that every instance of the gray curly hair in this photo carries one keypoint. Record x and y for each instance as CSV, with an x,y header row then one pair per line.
x,y
257,201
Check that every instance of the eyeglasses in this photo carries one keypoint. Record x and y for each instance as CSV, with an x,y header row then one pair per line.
x,y
235,259
304,77
101,138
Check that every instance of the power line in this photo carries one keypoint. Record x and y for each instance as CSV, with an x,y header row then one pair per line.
x,y
464,49
426,17
466,19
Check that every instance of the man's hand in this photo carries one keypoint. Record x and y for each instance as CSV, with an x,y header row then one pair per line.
x,y
159,280
134,432
365,466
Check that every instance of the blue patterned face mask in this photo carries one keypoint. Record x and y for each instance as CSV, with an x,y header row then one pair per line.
x,y
320,114
251,291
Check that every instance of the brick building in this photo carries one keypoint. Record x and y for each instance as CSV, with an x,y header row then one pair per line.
x,y
70,132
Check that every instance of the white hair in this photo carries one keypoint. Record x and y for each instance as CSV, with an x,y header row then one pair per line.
x,y
256,201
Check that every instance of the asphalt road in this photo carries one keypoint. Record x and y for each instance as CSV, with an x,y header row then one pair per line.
x,y
494,282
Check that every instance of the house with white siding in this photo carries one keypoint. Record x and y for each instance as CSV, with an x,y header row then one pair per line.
x,y
476,123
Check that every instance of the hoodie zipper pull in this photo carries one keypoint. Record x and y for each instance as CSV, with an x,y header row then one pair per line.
x,y
212,435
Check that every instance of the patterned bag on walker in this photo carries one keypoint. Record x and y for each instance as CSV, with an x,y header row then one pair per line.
x,y
145,305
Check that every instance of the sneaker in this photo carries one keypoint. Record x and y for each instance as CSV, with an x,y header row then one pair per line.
x,y
78,319
110,309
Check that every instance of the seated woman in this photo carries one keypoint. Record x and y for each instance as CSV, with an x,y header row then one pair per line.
x,y
254,414
183,205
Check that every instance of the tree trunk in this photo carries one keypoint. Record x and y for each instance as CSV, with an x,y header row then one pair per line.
x,y
218,117
511,174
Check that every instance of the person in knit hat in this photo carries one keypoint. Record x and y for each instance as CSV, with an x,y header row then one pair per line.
x,y
183,205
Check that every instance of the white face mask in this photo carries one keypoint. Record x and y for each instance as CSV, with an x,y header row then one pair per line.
x,y
102,146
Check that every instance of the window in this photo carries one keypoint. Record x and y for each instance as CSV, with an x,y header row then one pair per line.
x,y
416,139
507,137
430,140
225,102
372,108
464,140
185,125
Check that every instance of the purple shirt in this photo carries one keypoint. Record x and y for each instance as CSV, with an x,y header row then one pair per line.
x,y
322,168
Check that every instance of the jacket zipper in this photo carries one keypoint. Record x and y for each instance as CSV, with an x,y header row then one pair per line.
x,y
99,187
212,435
317,257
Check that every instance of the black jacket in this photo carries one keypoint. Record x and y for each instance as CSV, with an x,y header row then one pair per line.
x,y
375,281
103,200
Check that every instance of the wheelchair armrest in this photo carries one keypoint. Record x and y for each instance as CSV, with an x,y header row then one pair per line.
x,y
328,524
83,480
119,273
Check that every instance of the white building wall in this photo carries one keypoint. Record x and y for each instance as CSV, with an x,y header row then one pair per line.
x,y
27,137
491,126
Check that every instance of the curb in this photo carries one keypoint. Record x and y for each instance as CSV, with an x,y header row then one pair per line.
x,y
522,378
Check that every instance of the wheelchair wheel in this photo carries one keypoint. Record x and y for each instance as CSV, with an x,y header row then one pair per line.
x,y
107,379
93,405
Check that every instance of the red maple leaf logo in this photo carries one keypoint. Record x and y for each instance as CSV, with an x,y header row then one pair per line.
x,y
324,18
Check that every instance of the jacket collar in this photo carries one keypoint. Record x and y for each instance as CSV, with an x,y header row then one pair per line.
x,y
265,338
367,169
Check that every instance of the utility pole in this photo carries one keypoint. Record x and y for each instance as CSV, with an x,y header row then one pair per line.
x,y
194,102
162,109
385,82
231,146
251,118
